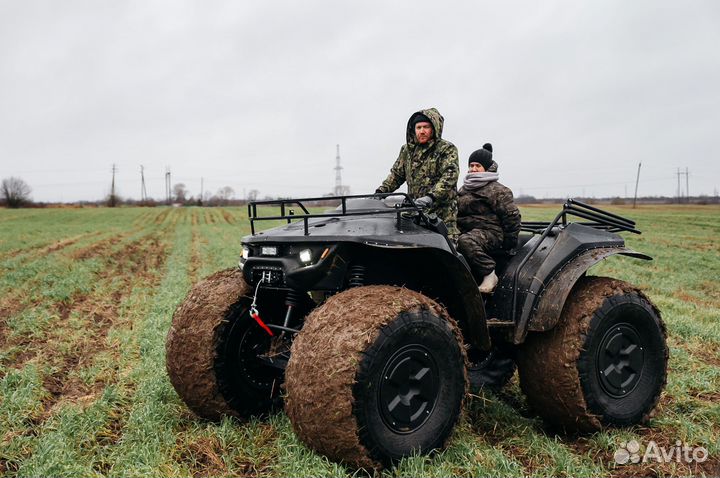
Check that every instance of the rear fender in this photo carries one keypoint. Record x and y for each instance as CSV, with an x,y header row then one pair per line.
x,y
549,304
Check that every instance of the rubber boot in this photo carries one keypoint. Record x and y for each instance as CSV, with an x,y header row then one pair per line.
x,y
488,283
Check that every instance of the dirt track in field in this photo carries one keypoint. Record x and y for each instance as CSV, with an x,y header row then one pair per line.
x,y
134,263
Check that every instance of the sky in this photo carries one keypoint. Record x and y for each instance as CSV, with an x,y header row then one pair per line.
x,y
256,95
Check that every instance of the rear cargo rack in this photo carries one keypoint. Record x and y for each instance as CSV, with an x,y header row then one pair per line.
x,y
597,218
289,214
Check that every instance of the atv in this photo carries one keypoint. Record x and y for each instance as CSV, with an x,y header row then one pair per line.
x,y
367,324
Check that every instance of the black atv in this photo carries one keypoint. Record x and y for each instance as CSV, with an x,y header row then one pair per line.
x,y
369,325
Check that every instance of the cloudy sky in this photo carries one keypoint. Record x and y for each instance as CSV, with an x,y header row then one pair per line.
x,y
255,95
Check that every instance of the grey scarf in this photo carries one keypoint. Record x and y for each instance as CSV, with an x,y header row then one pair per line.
x,y
478,180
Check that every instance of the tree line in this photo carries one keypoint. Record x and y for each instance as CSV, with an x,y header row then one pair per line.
x,y
16,193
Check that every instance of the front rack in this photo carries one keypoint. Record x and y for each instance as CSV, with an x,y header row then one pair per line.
x,y
284,204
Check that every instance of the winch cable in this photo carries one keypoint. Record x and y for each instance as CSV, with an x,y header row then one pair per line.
x,y
253,307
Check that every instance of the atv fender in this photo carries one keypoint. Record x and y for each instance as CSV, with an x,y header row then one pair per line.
x,y
550,303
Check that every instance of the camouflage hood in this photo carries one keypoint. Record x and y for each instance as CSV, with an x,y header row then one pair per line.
x,y
435,118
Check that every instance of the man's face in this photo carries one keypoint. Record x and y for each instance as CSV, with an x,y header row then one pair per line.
x,y
423,132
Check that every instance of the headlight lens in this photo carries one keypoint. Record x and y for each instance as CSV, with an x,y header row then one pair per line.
x,y
245,252
306,256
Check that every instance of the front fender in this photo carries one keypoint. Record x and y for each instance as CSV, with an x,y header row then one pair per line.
x,y
550,303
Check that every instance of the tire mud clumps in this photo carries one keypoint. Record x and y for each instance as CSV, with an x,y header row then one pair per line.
x,y
324,360
547,361
192,338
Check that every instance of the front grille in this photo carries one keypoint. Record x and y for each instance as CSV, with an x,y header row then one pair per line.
x,y
273,275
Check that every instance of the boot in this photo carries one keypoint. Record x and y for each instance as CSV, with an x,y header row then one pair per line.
x,y
488,283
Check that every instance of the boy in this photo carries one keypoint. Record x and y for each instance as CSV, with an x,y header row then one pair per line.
x,y
488,219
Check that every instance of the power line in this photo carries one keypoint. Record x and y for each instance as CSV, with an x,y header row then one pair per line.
x,y
143,191
338,175
685,173
113,200
167,184
637,181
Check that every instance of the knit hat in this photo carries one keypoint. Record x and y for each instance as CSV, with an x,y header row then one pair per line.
x,y
482,156
419,118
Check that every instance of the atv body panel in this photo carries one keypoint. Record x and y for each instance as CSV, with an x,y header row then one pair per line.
x,y
385,246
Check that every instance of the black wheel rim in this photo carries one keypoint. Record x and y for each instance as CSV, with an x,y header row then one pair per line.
x,y
409,388
621,359
245,358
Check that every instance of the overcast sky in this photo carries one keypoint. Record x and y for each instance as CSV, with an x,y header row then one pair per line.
x,y
255,95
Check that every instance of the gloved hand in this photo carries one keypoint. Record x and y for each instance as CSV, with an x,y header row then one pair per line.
x,y
509,243
424,202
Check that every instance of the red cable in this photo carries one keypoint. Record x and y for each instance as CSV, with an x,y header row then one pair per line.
x,y
257,318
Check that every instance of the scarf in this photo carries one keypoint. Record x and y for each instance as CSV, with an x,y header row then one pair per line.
x,y
478,180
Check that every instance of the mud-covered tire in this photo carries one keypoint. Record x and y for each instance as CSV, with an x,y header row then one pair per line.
x,y
490,370
604,364
204,359
338,397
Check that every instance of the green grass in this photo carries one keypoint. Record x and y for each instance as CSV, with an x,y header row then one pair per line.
x,y
86,299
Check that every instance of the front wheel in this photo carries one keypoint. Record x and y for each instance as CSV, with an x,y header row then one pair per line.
x,y
604,364
377,373
218,359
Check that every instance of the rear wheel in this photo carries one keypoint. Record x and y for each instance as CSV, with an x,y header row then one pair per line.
x,y
604,364
491,369
376,373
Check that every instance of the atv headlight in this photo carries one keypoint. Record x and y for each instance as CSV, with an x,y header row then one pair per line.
x,y
306,256
244,257
269,251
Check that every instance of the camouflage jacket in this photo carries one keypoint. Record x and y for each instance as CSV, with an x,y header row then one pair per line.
x,y
431,169
490,207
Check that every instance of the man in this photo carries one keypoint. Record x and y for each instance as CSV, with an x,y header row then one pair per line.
x,y
430,166
488,218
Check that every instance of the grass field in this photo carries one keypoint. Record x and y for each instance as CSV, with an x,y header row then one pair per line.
x,y
86,299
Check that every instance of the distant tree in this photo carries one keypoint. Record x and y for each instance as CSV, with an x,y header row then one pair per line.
x,y
180,192
252,195
225,194
15,192
525,199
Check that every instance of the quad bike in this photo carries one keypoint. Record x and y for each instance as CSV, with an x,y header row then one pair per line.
x,y
368,325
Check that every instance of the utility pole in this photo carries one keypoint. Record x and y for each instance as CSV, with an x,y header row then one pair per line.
x,y
686,173
338,176
202,184
637,181
113,200
167,184
143,191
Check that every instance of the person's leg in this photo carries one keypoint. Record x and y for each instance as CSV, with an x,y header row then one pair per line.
x,y
476,246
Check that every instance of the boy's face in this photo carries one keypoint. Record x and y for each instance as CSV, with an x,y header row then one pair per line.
x,y
476,168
